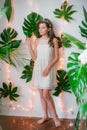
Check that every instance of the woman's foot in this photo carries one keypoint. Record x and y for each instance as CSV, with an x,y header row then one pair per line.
x,y
42,120
57,121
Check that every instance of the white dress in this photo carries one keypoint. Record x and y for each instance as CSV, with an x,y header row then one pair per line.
x,y
44,57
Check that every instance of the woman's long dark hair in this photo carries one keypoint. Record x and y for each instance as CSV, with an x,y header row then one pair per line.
x,y
51,33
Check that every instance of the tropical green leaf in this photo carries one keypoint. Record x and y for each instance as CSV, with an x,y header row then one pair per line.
x,y
30,24
8,44
9,91
5,86
16,95
85,13
65,41
3,11
14,89
83,109
69,8
62,82
74,40
83,30
65,11
77,121
9,11
27,72
77,73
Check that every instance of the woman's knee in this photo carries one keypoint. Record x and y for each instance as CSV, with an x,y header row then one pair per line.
x,y
46,95
41,93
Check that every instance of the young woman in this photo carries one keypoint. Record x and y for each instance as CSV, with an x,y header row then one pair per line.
x,y
45,57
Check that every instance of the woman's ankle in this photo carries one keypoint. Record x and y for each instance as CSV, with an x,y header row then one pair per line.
x,y
55,117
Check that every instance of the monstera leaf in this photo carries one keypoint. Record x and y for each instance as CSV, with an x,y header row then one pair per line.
x,y
65,12
9,11
9,91
62,82
3,11
83,30
27,72
65,41
85,13
77,74
8,44
76,41
30,24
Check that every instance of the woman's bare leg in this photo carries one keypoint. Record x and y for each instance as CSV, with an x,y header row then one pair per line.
x,y
44,107
51,105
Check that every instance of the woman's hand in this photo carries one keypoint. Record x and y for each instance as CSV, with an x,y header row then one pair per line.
x,y
46,71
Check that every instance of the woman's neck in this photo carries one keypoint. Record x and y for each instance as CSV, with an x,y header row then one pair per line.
x,y
45,36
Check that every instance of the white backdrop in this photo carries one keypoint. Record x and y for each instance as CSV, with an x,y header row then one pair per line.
x,y
28,103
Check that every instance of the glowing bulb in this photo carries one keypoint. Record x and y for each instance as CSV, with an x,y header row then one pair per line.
x,y
14,108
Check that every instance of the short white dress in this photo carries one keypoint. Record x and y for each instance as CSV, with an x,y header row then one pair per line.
x,y
44,57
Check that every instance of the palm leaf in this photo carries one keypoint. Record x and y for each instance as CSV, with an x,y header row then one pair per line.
x,y
83,30
85,13
83,109
10,91
3,11
62,82
8,44
27,72
65,11
30,24
65,41
77,73
9,11
74,40
77,121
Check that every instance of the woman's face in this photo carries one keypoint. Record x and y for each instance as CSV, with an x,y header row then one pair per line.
x,y
43,29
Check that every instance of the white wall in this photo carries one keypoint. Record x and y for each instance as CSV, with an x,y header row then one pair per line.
x,y
65,104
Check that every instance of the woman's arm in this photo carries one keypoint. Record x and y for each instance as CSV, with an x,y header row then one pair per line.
x,y
55,56
31,50
54,59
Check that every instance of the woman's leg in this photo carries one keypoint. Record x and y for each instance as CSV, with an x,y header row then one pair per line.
x,y
51,105
44,107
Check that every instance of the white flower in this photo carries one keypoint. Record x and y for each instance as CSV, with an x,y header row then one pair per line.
x,y
83,57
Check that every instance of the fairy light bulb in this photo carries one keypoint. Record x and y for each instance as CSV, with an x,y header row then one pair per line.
x,y
10,103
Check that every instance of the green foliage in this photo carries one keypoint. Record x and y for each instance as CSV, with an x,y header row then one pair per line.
x,y
65,41
76,42
78,81
65,11
27,72
9,11
85,14
9,91
3,11
77,74
62,82
83,30
30,24
77,121
8,44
